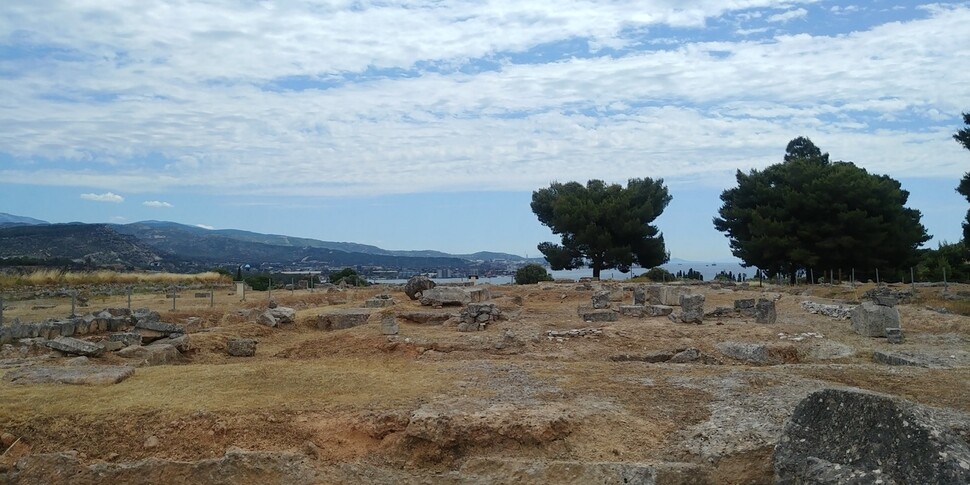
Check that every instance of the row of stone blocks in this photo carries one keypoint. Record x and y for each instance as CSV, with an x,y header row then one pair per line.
x,y
63,328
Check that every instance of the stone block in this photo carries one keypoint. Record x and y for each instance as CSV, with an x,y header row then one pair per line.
x,y
161,354
241,347
632,310
692,308
686,356
670,295
747,352
68,328
79,375
601,299
283,315
342,319
379,303
389,325
894,335
657,310
128,338
73,346
764,311
479,294
889,439
599,316
445,296
871,320
111,345
884,300
158,326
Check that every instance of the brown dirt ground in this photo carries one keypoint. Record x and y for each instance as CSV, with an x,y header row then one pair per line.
x,y
345,396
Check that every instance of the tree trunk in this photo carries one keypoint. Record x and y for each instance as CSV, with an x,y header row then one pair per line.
x,y
596,270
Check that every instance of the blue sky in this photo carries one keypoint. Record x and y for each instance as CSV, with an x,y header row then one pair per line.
x,y
427,125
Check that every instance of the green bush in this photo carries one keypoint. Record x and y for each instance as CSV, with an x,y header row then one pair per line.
x,y
349,277
531,274
658,274
259,282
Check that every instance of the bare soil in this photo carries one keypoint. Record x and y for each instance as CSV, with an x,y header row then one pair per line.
x,y
431,403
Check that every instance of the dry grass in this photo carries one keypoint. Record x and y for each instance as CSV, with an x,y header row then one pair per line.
x,y
264,384
53,277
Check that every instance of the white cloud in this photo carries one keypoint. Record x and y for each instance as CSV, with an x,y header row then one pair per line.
x,y
176,102
788,16
204,226
105,197
156,203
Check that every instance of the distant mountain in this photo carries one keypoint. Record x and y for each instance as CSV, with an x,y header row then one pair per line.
x,y
174,246
12,220
89,244
232,246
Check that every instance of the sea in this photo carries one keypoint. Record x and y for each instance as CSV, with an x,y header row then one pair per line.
x,y
706,269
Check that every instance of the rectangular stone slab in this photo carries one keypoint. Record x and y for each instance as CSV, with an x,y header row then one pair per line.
x,y
97,375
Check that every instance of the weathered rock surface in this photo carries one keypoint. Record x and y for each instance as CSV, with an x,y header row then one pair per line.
x,y
907,358
74,346
670,295
445,296
759,354
179,341
160,354
389,325
236,467
417,285
81,374
692,308
491,470
632,310
241,347
871,434
127,338
601,299
840,312
598,316
871,320
454,422
433,318
764,311
342,319
380,301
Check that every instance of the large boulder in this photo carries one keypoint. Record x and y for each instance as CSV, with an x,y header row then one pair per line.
x,y
283,315
417,285
844,435
872,320
444,296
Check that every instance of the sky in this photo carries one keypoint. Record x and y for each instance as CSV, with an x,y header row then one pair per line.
x,y
427,125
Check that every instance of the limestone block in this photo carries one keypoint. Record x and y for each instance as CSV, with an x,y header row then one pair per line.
x,y
692,308
871,320
73,346
342,319
241,347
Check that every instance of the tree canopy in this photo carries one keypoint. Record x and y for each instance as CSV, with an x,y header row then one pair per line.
x,y
603,226
963,137
808,212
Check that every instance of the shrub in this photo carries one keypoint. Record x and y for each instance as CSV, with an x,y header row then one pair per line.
x,y
531,274
658,274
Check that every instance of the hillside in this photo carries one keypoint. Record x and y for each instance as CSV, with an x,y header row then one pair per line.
x,y
92,244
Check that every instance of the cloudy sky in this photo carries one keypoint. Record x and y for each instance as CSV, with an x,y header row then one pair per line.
x,y
427,125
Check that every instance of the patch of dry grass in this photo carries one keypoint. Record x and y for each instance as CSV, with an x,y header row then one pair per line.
x,y
292,385
53,277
